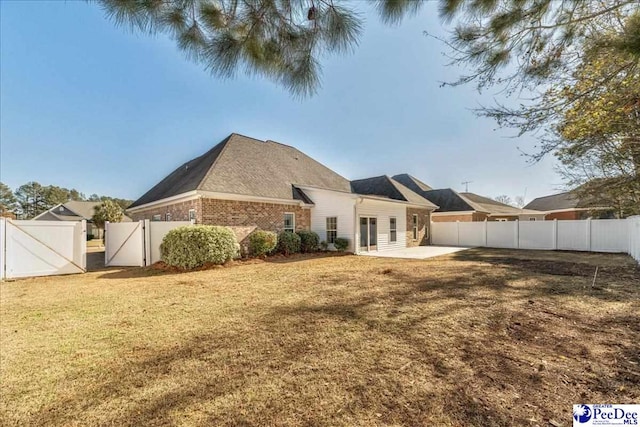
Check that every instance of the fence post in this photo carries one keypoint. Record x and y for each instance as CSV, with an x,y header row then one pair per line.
x,y
555,234
146,242
104,241
485,232
3,228
517,234
83,246
589,234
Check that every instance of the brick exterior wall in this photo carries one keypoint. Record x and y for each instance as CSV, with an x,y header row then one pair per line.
x,y
179,211
242,217
469,217
424,233
567,215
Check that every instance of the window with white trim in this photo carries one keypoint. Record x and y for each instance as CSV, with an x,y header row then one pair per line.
x,y
192,215
289,222
157,217
415,227
332,229
393,229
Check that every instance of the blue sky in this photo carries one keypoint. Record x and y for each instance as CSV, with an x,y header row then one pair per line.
x,y
87,105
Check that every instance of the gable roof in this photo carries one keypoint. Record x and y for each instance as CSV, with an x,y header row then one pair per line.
x,y
73,210
383,186
496,208
411,182
251,167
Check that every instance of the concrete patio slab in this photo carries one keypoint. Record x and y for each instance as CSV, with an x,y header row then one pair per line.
x,y
418,252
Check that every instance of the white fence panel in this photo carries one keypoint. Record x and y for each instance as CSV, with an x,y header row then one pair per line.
x,y
609,235
124,244
536,235
44,248
156,232
634,237
502,234
445,233
2,246
573,235
472,234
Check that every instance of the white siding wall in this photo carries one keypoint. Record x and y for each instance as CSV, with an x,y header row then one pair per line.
x,y
328,204
383,211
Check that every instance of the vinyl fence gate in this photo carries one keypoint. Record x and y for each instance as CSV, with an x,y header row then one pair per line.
x,y
135,244
42,248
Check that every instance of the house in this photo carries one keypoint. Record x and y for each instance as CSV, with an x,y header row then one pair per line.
x,y
466,207
569,205
247,184
75,210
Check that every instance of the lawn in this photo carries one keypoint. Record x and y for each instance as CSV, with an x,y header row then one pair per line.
x,y
481,337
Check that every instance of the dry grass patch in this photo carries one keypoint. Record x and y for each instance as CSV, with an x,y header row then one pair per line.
x,y
481,337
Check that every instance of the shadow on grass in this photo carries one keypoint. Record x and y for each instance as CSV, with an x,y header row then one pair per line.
x,y
459,344
154,270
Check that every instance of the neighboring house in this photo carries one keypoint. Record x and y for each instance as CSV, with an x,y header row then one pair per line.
x,y
245,184
76,211
466,207
568,205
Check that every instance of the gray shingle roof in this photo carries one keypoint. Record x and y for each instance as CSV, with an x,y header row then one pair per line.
x,y
496,208
247,166
411,182
567,200
383,186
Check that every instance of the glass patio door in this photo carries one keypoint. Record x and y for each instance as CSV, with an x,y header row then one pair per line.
x,y
368,233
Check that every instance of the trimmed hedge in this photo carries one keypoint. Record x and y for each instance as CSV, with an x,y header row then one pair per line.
x,y
341,244
288,243
309,241
262,242
191,246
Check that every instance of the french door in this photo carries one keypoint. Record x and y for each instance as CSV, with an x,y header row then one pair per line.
x,y
368,233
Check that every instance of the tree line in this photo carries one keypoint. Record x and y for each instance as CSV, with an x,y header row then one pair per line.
x,y
31,199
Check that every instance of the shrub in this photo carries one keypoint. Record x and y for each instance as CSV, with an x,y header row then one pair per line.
x,y
262,242
90,236
309,241
191,246
341,244
324,245
288,243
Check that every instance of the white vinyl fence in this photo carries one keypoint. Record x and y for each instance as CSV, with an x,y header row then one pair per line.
x,y
135,244
42,248
598,235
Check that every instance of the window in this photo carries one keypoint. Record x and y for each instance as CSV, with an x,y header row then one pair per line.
x,y
156,217
192,216
415,227
393,229
167,217
289,222
332,229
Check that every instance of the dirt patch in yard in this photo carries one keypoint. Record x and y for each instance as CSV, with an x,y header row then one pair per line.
x,y
480,337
